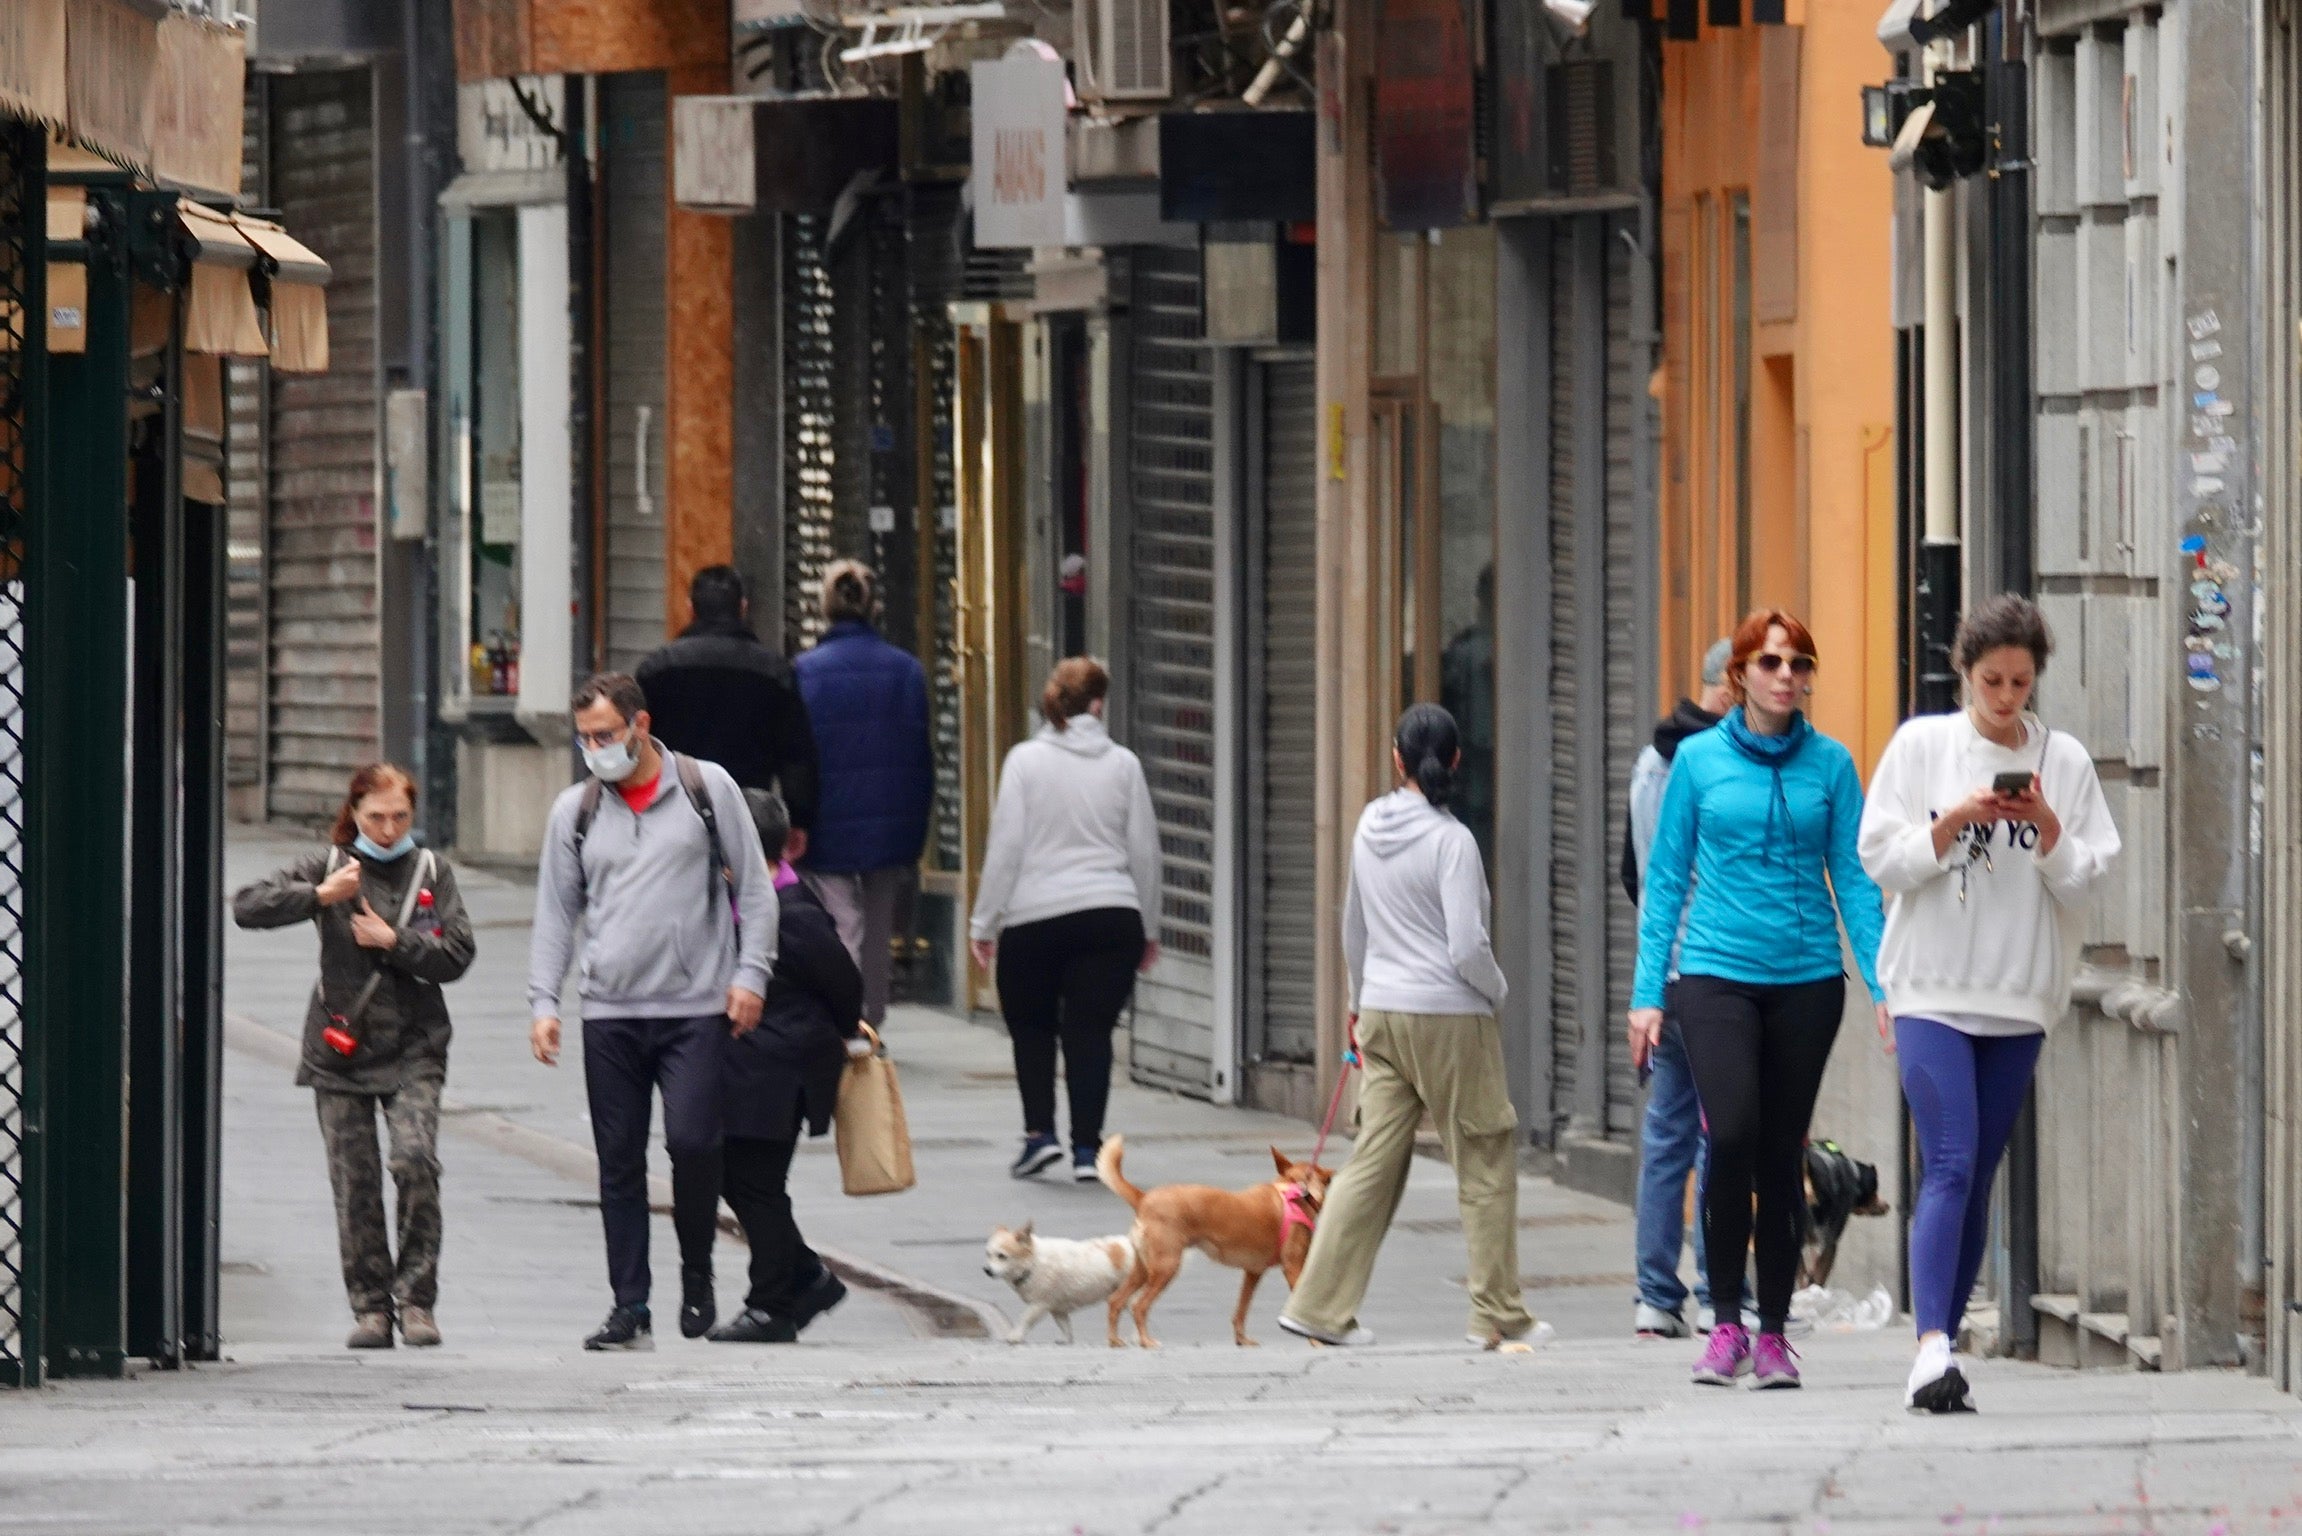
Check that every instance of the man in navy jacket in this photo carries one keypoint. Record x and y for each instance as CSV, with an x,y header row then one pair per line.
x,y
867,702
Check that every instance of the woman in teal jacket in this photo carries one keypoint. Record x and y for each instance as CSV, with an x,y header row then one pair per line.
x,y
1760,809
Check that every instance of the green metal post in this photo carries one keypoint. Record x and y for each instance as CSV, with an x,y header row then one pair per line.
x,y
155,1020
76,674
202,1070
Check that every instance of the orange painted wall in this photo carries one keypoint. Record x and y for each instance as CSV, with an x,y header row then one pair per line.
x,y
699,408
1822,382
495,38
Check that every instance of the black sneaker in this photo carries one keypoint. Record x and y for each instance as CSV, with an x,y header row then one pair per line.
x,y
826,1291
1083,1165
625,1328
752,1326
697,1308
1039,1154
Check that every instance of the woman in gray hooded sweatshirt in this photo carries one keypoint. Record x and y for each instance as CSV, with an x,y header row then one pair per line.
x,y
1424,990
1066,908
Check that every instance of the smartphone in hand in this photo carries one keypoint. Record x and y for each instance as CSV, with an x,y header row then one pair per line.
x,y
2010,784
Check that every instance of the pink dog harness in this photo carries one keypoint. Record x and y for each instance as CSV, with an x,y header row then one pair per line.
x,y
1295,1210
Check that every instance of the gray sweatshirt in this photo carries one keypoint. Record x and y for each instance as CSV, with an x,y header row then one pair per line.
x,y
1415,916
1073,830
658,940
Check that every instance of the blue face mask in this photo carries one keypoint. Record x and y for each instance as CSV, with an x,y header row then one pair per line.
x,y
375,850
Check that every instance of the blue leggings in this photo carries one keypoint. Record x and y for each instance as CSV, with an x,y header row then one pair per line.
x,y
1965,1092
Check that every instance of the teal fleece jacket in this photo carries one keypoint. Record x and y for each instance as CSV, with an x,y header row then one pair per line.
x,y
1757,838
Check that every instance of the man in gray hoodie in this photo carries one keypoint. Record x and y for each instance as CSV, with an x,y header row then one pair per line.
x,y
679,924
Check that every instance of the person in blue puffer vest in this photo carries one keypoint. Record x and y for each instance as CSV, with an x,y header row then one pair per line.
x,y
867,702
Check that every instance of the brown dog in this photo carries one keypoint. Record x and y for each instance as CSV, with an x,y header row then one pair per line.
x,y
1248,1229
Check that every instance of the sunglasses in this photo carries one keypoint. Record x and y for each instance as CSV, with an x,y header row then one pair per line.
x,y
1768,662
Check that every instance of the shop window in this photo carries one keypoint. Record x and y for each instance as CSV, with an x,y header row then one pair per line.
x,y
491,642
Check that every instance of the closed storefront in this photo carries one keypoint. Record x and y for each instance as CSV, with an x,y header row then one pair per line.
x,y
634,211
1282,906
322,699
1173,662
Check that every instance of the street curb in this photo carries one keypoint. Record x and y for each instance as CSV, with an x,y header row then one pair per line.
x,y
947,1314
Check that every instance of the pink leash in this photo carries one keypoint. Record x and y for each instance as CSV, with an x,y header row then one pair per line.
x,y
1350,1060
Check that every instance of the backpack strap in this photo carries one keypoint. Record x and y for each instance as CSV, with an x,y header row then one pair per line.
x,y
426,867
587,811
691,780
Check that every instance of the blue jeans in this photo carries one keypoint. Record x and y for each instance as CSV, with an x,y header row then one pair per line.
x,y
1965,1092
1671,1141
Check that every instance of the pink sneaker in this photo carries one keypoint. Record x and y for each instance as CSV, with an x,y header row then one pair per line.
x,y
1775,1363
1727,1357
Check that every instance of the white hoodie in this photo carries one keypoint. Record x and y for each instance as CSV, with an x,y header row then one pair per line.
x,y
1415,917
1990,931
1073,830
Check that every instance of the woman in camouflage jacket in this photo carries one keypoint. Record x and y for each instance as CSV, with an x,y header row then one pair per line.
x,y
392,930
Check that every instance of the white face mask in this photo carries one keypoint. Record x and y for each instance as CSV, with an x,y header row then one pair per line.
x,y
611,764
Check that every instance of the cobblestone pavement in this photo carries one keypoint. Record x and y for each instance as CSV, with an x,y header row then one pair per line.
x,y
882,1423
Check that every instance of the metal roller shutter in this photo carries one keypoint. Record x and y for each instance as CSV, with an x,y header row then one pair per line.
x,y
1289,913
1567,809
1626,731
1171,453
325,702
632,173
246,393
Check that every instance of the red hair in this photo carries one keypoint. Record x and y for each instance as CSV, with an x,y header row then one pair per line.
x,y
365,783
1750,639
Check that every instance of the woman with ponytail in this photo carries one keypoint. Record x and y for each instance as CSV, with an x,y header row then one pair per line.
x,y
1069,893
1424,990
1760,820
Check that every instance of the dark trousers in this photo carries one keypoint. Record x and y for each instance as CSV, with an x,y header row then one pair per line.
x,y
1062,982
1758,1054
782,1265
624,1062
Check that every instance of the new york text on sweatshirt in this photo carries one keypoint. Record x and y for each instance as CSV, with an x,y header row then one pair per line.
x,y
1992,927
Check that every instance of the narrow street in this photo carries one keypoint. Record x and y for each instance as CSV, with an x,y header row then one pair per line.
x,y
884,1421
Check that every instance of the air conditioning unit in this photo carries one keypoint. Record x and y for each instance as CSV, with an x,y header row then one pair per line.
x,y
1123,50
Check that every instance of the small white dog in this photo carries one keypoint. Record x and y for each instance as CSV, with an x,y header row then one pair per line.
x,y
1056,1276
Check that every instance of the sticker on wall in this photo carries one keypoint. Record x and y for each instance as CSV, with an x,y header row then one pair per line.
x,y
2207,377
2200,351
2208,463
2204,644
2207,485
2204,324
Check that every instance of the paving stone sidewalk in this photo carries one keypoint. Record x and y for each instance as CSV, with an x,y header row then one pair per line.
x,y
873,1426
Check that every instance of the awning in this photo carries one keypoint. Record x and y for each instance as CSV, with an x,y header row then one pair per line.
x,y
219,308
505,189
296,275
32,61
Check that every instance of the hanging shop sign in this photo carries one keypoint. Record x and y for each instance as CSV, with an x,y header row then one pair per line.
x,y
1426,148
1019,179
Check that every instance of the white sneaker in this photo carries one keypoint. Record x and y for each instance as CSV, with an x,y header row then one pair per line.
x,y
1355,1336
1651,1322
1519,1344
1936,1383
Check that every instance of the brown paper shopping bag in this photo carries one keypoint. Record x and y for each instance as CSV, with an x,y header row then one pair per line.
x,y
873,1138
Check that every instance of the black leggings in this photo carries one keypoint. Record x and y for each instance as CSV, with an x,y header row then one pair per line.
x,y
1063,980
1758,1054
782,1265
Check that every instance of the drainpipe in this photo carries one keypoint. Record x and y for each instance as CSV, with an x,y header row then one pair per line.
x,y
1938,557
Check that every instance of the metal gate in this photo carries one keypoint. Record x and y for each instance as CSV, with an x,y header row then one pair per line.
x,y
1597,384
1171,718
325,686
632,173
1285,910
810,417
247,395
22,221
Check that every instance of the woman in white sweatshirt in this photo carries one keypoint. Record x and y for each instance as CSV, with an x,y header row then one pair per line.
x,y
1424,989
1068,897
1987,831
